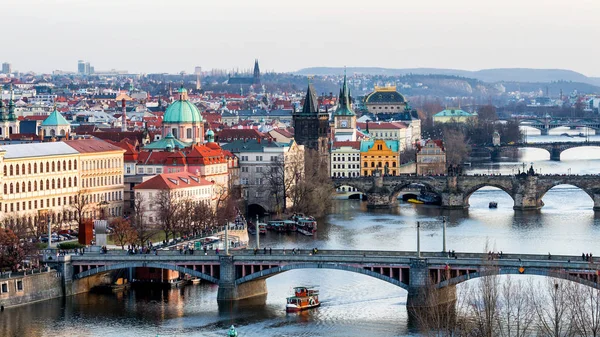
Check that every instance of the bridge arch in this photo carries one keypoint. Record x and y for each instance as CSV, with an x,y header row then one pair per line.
x,y
317,265
592,147
547,188
256,209
349,182
469,191
403,185
515,271
157,265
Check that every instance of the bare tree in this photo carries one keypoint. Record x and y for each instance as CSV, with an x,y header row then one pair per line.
x,y
167,210
185,216
280,178
203,217
552,309
312,191
123,233
585,304
143,231
80,205
515,312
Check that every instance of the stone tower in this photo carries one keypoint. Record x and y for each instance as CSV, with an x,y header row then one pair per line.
x,y
311,126
256,75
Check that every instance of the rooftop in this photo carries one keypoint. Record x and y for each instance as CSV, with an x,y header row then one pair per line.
x,y
37,150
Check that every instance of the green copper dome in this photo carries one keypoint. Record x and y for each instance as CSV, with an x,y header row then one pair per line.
x,y
182,111
55,119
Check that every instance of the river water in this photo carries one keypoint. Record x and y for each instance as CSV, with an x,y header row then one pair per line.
x,y
353,305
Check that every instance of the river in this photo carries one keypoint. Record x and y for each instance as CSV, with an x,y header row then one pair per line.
x,y
353,305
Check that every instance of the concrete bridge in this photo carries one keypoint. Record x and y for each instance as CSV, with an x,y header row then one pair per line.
x,y
555,148
242,274
526,190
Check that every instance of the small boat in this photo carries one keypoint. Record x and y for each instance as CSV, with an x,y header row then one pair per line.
x,y
232,332
493,204
304,298
414,201
306,226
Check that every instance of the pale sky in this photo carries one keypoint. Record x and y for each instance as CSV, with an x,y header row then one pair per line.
x,y
170,36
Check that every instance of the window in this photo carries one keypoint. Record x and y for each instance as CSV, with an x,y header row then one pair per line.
x,y
4,287
244,158
189,133
244,169
259,169
128,169
273,158
259,158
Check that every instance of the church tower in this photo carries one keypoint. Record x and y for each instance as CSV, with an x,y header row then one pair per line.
x,y
9,123
344,118
311,126
256,75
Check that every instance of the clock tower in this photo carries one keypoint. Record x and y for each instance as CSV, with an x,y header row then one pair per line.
x,y
344,118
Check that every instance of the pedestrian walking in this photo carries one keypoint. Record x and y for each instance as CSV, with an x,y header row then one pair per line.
x,y
270,251
265,251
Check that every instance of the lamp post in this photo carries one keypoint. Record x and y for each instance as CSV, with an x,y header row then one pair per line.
x,y
257,233
444,234
418,239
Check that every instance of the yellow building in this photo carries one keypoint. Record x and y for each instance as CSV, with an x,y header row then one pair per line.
x,y
47,178
452,115
382,155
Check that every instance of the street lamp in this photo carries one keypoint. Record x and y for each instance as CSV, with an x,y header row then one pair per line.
x,y
444,234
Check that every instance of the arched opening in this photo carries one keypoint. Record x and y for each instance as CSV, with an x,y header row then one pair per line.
x,y
565,196
424,193
482,196
256,209
581,152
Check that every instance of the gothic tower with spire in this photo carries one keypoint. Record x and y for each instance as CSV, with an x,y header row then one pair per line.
x,y
344,117
311,126
256,75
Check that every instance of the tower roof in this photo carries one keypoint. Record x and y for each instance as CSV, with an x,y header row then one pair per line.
x,y
55,119
311,101
344,107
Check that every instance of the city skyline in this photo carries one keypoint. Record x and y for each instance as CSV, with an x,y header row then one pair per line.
x,y
151,36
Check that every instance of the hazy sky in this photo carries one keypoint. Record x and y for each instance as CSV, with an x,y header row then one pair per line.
x,y
171,36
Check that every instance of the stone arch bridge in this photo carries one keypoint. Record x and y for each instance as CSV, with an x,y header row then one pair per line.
x,y
243,274
526,190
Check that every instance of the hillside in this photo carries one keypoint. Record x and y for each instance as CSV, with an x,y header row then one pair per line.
x,y
486,75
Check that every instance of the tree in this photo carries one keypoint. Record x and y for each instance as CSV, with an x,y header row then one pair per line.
x,y
312,191
203,217
515,313
11,252
167,211
143,231
280,177
80,204
457,149
552,309
123,233
585,304
487,113
185,217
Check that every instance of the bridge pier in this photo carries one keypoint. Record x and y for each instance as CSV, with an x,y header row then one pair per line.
x,y
555,154
544,132
379,196
453,200
229,290
422,293
526,196
596,202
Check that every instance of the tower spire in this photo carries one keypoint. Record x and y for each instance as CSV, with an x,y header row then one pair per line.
x,y
11,106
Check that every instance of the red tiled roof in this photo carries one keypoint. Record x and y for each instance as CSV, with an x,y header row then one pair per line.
x,y
172,181
352,144
92,145
382,125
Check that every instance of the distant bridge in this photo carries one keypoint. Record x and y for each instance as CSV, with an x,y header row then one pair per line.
x,y
546,124
526,190
242,274
555,148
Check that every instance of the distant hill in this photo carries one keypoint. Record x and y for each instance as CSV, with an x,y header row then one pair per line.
x,y
486,75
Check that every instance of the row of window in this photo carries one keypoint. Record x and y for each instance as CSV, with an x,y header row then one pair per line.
x,y
343,174
391,172
257,181
379,164
50,184
4,286
101,181
95,164
346,159
53,166
59,201
343,166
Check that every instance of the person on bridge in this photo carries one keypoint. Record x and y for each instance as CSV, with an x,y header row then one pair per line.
x,y
265,250
270,251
